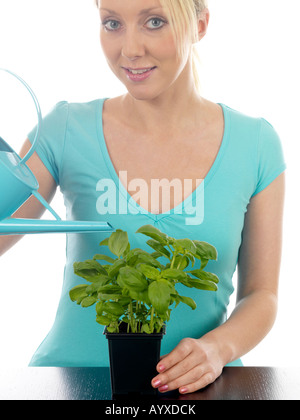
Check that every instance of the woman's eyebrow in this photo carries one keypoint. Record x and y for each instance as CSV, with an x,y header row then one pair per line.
x,y
142,12
145,11
108,10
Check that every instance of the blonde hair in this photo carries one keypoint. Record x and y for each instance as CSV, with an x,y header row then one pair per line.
x,y
183,17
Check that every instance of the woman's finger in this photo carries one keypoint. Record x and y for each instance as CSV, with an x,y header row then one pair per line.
x,y
180,382
173,374
184,348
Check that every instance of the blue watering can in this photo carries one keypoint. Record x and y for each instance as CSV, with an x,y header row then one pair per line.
x,y
18,183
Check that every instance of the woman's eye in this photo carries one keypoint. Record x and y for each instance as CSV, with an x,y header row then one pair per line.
x,y
155,23
111,25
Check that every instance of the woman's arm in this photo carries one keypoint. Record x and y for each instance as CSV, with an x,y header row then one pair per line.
x,y
32,208
195,363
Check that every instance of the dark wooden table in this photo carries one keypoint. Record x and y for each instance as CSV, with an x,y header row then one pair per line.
x,y
236,383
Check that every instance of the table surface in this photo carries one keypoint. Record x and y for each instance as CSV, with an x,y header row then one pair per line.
x,y
236,383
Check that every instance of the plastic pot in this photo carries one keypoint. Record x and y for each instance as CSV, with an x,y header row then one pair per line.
x,y
133,359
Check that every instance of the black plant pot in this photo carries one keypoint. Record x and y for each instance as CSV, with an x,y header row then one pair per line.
x,y
133,359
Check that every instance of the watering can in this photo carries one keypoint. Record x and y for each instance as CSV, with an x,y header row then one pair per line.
x,y
18,183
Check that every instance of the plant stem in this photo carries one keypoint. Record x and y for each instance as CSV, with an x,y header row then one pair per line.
x,y
173,259
138,310
152,320
130,316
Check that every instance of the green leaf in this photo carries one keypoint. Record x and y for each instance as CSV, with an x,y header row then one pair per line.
x,y
103,320
126,250
88,301
112,329
102,257
181,262
158,247
124,301
92,288
131,257
118,242
140,296
159,323
132,279
113,308
173,273
114,269
88,269
104,242
104,296
78,292
156,254
145,329
148,259
202,284
186,244
204,275
110,288
188,301
96,283
191,258
149,271
100,279
154,233
99,308
204,263
110,292
206,251
160,295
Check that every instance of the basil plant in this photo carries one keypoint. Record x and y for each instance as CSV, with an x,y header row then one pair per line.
x,y
135,289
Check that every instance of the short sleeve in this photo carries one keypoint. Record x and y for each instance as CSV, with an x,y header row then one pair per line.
x,y
50,146
270,159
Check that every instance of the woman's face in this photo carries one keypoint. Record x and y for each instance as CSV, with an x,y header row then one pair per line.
x,y
139,46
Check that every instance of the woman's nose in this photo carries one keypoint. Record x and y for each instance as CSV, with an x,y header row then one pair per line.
x,y
133,46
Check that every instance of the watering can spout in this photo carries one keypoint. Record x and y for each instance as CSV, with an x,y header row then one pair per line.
x,y
24,226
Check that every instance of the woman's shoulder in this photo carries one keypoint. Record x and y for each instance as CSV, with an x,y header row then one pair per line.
x,y
66,113
80,106
250,125
234,118
65,105
240,116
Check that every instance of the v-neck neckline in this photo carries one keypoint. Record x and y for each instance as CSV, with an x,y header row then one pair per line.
x,y
177,209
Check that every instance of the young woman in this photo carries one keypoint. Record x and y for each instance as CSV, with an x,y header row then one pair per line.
x,y
230,165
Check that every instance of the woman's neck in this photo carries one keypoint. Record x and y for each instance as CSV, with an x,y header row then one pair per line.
x,y
176,108
164,113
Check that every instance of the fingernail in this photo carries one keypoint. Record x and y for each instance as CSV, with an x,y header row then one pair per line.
x,y
183,390
157,383
161,368
163,388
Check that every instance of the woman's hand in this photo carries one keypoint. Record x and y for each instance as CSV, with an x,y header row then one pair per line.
x,y
192,365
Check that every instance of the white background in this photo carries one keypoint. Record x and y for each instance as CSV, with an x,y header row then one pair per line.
x,y
249,62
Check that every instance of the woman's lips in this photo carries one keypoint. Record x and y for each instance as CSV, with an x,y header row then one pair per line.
x,y
139,75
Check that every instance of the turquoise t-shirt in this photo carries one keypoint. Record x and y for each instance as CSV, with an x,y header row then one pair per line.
x,y
73,148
